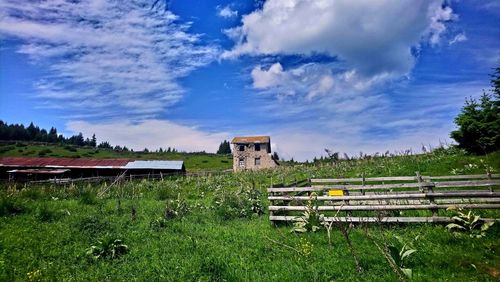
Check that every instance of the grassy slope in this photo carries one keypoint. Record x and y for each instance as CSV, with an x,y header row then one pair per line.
x,y
193,161
203,247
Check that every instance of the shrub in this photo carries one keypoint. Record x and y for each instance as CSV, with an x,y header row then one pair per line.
x,y
45,213
10,206
6,149
242,204
44,152
69,148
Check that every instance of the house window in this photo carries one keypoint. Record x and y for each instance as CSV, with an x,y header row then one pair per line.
x,y
242,148
241,162
257,147
257,161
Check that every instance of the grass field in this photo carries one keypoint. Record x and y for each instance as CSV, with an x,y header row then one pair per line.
x,y
192,161
202,229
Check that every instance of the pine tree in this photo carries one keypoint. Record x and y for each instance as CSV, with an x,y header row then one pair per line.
x,y
224,148
479,122
93,141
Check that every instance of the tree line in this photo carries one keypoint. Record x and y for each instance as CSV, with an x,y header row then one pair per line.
x,y
33,133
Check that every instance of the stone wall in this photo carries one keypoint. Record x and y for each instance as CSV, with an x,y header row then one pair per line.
x,y
249,155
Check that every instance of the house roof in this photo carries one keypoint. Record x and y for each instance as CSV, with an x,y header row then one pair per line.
x,y
62,162
178,165
88,163
251,139
39,171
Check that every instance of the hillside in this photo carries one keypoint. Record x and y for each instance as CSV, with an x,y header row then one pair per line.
x,y
216,228
193,161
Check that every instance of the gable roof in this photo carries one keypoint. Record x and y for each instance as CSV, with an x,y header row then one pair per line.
x,y
88,163
61,162
179,165
251,139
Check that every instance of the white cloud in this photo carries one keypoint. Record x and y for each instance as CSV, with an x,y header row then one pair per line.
x,y
226,12
372,37
370,124
438,20
319,85
458,38
151,134
263,79
105,57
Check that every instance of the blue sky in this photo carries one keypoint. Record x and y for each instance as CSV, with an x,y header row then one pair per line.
x,y
350,76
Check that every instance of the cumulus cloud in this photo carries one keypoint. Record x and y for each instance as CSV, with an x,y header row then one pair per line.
x,y
226,12
151,134
263,79
105,58
319,82
371,37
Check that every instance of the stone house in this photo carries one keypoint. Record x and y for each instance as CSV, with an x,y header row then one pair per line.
x,y
252,152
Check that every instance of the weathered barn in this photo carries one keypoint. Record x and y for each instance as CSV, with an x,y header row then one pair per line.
x,y
27,168
253,152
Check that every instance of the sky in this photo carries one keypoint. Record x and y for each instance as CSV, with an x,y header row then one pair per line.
x,y
350,76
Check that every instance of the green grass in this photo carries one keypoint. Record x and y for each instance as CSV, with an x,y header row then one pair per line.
x,y
192,161
46,230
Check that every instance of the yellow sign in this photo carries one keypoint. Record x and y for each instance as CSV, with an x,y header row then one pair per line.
x,y
336,193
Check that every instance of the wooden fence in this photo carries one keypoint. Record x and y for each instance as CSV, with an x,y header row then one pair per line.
x,y
130,177
384,199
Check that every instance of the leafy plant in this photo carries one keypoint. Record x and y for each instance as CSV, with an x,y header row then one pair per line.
x,y
107,248
400,255
311,220
469,222
158,224
242,204
176,208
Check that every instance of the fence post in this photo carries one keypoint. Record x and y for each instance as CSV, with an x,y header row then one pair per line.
x,y
363,183
426,189
488,173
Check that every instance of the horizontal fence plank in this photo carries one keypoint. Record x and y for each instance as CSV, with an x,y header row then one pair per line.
x,y
386,207
449,201
401,178
444,184
435,219
391,196
476,176
473,183
368,179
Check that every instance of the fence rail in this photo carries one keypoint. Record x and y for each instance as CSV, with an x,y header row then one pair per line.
x,y
374,195
130,177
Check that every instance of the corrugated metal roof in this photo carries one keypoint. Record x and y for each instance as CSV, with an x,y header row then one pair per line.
x,y
251,139
39,171
88,163
178,165
62,162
